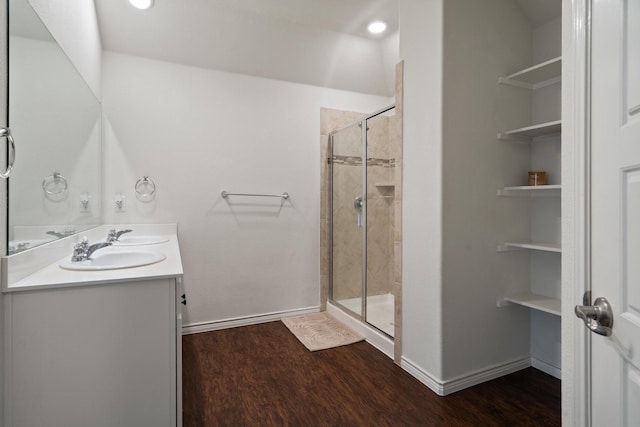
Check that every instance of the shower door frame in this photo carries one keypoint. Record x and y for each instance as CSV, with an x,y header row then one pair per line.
x,y
363,125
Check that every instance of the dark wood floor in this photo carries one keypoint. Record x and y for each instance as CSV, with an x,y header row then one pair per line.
x,y
262,376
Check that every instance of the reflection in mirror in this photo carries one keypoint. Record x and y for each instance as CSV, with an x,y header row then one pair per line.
x,y
55,187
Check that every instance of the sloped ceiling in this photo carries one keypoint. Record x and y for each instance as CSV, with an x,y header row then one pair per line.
x,y
317,42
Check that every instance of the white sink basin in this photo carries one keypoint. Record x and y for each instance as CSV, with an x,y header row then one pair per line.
x,y
140,240
115,260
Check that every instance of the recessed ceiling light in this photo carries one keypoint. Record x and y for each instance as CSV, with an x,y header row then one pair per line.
x,y
141,4
377,27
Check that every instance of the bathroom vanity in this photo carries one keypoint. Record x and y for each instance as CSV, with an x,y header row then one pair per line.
x,y
94,348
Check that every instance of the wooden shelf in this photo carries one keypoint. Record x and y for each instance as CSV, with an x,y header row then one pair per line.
x,y
540,75
534,301
531,190
536,246
530,132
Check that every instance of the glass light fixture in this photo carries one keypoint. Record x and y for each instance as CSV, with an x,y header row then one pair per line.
x,y
141,4
377,27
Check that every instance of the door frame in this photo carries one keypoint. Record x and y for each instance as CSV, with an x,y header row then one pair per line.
x,y
576,224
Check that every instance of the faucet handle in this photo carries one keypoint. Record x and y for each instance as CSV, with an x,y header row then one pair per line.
x,y
80,250
112,236
115,235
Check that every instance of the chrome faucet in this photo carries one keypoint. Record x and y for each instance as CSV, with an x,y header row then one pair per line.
x,y
61,234
114,235
83,251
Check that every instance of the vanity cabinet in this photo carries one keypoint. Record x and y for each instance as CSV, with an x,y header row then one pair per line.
x,y
97,355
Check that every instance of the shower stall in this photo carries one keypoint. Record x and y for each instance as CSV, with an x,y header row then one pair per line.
x,y
363,183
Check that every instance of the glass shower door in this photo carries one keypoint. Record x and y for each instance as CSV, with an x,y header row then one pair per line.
x,y
348,223
380,192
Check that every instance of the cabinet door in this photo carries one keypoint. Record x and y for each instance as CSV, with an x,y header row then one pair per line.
x,y
92,356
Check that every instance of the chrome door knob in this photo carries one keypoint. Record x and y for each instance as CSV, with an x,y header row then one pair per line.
x,y
598,317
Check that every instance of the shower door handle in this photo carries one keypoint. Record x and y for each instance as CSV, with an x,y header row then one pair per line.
x,y
357,205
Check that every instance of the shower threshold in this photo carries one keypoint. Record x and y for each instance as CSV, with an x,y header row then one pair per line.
x,y
378,339
380,311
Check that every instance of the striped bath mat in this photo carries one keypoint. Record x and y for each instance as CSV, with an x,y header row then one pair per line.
x,y
320,331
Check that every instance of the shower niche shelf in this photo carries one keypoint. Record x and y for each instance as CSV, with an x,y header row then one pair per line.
x,y
534,301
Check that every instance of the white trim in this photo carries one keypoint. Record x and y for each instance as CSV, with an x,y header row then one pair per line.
x,y
216,325
443,388
371,335
540,365
423,376
486,374
575,213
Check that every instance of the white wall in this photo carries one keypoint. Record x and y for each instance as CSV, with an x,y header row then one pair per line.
x,y
196,132
74,25
483,40
421,43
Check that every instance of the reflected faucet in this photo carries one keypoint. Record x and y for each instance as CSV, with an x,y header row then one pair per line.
x,y
61,234
114,235
83,251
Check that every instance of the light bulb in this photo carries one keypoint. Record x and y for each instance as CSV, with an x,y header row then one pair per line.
x,y
377,27
141,4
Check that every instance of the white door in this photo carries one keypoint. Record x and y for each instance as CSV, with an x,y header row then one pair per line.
x,y
615,208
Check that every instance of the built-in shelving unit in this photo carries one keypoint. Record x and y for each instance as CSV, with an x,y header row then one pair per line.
x,y
528,243
532,78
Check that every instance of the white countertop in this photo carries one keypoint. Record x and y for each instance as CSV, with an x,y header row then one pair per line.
x,y
53,276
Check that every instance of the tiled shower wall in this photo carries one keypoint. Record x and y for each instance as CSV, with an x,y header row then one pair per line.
x,y
384,228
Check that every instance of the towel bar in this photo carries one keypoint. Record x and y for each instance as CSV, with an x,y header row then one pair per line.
x,y
225,194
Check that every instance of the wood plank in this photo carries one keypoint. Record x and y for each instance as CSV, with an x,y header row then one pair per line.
x,y
261,375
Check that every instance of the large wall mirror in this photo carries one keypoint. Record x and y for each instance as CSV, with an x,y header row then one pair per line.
x,y
55,186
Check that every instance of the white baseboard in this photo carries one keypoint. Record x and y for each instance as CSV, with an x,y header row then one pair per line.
x,y
423,376
216,325
482,375
461,382
554,371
